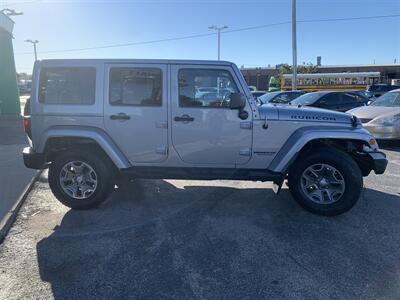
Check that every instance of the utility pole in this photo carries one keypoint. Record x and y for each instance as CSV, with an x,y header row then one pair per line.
x,y
218,29
294,46
34,46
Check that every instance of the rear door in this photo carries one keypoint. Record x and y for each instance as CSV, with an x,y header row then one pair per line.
x,y
135,110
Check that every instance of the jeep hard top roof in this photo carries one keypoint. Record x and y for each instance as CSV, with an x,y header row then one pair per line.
x,y
139,61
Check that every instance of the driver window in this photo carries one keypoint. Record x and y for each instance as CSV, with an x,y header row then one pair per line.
x,y
205,88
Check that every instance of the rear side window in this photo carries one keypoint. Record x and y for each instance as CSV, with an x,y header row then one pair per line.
x,y
67,85
360,99
349,98
135,86
331,99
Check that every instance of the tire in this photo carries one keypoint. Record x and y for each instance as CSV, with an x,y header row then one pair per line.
x,y
325,161
102,175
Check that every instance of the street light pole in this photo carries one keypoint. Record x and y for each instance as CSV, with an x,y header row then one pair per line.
x,y
218,29
294,46
34,46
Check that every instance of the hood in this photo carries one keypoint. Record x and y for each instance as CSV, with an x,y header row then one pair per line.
x,y
371,112
303,113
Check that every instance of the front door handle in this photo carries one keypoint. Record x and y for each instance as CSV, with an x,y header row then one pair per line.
x,y
120,116
184,119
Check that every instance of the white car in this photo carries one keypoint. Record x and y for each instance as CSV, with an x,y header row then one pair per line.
x,y
382,117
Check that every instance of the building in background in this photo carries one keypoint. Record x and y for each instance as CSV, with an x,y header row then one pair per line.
x,y
9,97
319,61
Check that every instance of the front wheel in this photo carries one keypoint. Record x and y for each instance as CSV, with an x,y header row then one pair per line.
x,y
327,183
80,180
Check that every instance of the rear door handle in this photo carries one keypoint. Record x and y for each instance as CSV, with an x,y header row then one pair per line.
x,y
120,116
184,119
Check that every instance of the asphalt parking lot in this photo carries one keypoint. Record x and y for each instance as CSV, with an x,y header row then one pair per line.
x,y
205,239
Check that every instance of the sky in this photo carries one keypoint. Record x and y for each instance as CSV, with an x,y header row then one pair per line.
x,y
60,25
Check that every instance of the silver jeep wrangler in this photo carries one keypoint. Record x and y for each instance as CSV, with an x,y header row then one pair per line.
x,y
92,122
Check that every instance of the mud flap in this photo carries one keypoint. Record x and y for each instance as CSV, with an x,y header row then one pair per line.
x,y
277,186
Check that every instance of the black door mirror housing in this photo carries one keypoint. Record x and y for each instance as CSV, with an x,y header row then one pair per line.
x,y
237,101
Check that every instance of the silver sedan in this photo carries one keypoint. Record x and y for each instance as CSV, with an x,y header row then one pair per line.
x,y
382,117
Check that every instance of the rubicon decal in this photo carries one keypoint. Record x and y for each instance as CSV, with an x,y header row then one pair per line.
x,y
317,118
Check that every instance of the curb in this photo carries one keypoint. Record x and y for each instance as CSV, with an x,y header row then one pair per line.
x,y
10,217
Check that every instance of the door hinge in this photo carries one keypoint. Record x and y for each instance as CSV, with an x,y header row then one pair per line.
x,y
246,125
163,150
162,124
244,151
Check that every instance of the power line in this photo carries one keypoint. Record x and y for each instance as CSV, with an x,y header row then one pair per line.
x,y
210,34
123,45
348,19
256,27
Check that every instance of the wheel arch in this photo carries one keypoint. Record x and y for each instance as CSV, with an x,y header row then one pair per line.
x,y
61,138
305,140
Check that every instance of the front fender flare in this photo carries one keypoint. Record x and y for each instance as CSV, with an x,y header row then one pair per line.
x,y
288,153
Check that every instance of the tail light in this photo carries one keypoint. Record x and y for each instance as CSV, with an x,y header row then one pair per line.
x,y
26,120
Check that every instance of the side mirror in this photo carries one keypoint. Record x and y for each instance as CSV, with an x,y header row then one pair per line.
x,y
237,101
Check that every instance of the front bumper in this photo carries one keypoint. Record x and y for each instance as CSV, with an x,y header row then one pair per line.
x,y
379,161
383,132
33,160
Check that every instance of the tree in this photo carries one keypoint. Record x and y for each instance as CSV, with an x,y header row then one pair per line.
x,y
285,69
302,69
23,76
307,69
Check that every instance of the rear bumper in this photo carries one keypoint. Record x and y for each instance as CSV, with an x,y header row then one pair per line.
x,y
379,161
33,160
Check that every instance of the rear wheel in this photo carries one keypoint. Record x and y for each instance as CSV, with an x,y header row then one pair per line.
x,y
326,183
80,180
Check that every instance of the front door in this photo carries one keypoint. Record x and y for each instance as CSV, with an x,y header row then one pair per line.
x,y
204,129
135,110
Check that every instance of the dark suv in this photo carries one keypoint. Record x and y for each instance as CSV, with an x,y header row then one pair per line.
x,y
339,101
376,90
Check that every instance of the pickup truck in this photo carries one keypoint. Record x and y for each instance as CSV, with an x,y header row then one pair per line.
x,y
93,122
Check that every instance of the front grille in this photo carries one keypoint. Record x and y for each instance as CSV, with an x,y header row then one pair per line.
x,y
365,120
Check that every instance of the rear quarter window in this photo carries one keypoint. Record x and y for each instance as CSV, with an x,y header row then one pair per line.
x,y
67,85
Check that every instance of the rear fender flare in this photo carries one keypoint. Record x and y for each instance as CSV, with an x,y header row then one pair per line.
x,y
95,134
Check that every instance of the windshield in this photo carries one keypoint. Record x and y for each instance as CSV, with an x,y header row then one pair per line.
x,y
374,88
268,97
388,99
307,99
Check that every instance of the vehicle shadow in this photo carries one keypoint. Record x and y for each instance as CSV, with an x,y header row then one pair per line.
x,y
156,240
